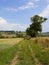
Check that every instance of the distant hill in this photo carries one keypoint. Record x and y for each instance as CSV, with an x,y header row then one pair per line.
x,y
7,34
44,34
11,34
18,34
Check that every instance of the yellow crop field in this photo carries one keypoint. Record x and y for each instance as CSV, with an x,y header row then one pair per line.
x,y
10,41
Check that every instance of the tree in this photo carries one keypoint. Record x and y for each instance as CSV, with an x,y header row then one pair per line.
x,y
36,25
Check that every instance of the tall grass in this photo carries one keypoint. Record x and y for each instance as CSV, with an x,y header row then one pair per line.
x,y
31,50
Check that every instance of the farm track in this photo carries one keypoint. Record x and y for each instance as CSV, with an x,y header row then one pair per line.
x,y
15,60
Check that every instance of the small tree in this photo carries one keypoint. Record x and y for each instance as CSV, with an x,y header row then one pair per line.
x,y
36,25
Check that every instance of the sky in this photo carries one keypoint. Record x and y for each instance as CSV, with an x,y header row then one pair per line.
x,y
16,14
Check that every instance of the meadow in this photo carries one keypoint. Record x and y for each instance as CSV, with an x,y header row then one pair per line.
x,y
29,52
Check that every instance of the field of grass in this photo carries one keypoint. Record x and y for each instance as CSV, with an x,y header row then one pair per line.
x,y
30,52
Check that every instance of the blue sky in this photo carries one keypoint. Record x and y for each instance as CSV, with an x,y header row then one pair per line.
x,y
16,14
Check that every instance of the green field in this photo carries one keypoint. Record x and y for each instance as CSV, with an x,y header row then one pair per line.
x,y
29,52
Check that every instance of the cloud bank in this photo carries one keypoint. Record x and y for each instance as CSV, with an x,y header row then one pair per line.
x,y
5,25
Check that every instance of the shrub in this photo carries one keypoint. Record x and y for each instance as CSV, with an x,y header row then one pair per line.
x,y
27,37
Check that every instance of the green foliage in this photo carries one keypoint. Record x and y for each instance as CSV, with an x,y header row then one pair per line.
x,y
36,26
19,35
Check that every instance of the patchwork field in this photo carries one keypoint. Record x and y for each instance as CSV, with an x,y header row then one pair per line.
x,y
25,52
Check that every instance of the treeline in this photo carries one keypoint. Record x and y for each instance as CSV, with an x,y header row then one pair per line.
x,y
12,34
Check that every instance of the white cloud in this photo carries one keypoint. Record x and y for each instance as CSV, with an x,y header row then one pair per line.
x,y
4,25
27,6
2,21
45,12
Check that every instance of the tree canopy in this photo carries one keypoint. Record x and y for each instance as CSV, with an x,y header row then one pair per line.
x,y
36,25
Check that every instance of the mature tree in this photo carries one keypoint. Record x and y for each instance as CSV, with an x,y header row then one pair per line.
x,y
36,25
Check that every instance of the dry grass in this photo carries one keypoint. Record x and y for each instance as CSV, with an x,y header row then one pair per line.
x,y
42,41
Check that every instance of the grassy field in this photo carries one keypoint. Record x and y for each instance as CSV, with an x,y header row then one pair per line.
x,y
29,52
